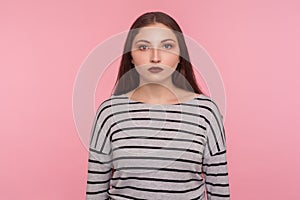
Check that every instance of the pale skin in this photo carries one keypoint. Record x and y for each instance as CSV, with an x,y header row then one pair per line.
x,y
157,45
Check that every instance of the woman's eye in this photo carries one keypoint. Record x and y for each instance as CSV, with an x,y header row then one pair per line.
x,y
142,47
145,47
168,46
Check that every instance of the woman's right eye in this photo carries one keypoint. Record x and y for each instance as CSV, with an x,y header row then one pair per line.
x,y
142,47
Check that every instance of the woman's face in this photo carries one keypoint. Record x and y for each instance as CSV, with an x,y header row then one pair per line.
x,y
155,46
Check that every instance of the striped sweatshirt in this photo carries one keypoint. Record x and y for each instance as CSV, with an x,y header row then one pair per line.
x,y
157,151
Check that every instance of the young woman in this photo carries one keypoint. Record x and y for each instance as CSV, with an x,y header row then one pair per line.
x,y
157,136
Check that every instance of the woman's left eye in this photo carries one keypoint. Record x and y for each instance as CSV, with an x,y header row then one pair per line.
x,y
168,46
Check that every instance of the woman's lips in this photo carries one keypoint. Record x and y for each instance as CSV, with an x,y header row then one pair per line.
x,y
155,69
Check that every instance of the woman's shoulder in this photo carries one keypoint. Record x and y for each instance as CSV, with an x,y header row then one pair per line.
x,y
209,104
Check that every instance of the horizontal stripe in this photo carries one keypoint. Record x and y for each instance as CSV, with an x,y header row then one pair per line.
x,y
161,148
156,138
157,191
218,195
125,196
141,151
157,168
157,179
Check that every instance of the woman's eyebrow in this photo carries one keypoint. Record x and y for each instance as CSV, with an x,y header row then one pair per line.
x,y
149,42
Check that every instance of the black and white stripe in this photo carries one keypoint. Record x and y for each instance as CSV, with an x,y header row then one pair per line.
x,y
144,151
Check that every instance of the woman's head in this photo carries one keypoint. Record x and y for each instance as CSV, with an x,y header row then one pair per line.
x,y
139,55
155,46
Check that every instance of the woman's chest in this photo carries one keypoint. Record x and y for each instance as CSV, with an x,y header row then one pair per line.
x,y
157,139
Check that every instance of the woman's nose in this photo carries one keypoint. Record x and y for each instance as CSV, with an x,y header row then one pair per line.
x,y
155,57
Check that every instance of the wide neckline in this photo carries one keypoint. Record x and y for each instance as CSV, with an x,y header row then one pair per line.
x,y
150,104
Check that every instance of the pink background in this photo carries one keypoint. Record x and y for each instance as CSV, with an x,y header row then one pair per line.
x,y
255,45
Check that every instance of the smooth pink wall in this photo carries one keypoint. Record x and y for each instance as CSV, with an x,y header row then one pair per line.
x,y
255,45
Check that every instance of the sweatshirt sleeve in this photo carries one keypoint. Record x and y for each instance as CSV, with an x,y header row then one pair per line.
x,y
100,157
214,163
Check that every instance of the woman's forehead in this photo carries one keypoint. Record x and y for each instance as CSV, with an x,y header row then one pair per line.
x,y
155,34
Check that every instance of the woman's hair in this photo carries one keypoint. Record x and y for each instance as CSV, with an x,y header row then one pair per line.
x,y
184,67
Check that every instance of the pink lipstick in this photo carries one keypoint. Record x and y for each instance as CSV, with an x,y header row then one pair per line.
x,y
155,69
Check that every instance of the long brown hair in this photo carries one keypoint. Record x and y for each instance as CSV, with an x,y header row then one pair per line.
x,y
124,85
